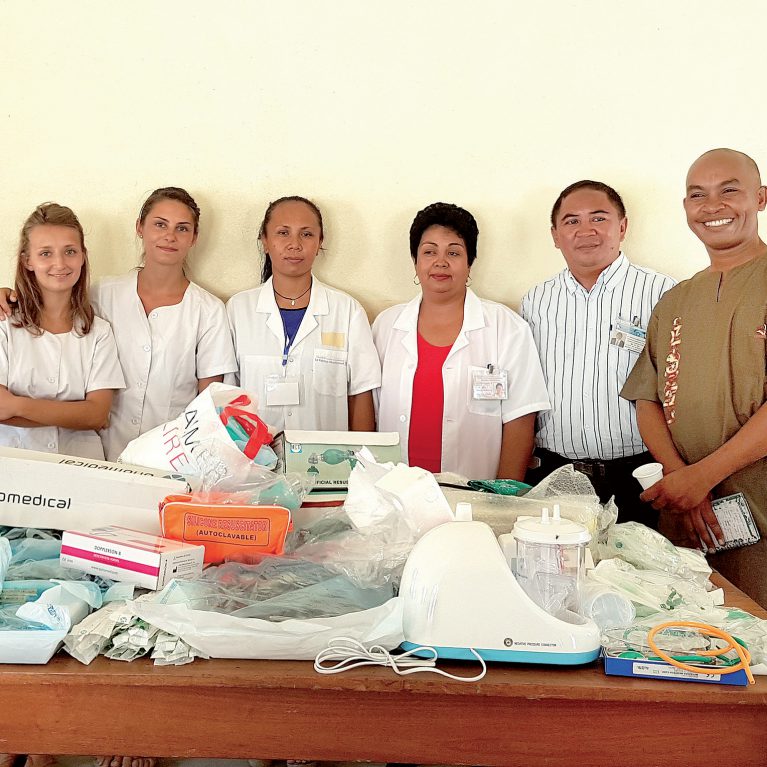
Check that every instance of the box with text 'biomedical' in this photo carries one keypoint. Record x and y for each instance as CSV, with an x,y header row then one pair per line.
x,y
66,492
130,556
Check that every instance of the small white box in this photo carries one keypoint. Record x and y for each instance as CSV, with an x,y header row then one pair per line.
x,y
127,555
65,492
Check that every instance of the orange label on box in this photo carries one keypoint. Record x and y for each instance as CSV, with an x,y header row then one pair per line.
x,y
244,531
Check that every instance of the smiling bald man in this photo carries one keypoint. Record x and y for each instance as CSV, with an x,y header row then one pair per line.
x,y
701,384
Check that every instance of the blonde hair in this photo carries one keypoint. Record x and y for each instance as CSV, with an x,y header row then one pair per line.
x,y
29,298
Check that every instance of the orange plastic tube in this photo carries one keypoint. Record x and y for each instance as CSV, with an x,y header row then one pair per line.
x,y
706,629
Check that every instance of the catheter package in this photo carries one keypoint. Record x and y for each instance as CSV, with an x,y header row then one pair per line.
x,y
131,556
330,455
226,525
60,492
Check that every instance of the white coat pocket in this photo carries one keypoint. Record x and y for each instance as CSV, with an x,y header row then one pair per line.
x,y
329,372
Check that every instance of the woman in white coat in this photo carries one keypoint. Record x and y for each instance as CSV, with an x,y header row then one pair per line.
x,y
58,362
461,378
172,336
304,349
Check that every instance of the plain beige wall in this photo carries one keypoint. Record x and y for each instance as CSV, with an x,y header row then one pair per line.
x,y
373,109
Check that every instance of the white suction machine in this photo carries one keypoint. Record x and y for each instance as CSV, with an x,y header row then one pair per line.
x,y
461,597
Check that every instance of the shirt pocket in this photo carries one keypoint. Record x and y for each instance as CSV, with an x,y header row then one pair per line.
x,y
487,407
329,372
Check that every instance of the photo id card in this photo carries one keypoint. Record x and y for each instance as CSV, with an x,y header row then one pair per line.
x,y
628,335
281,391
735,519
489,383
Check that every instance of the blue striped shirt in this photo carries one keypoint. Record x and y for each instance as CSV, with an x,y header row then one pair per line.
x,y
584,372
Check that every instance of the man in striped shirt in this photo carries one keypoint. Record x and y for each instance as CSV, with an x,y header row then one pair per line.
x,y
589,324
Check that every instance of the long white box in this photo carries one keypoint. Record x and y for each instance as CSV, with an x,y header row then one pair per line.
x,y
130,556
65,492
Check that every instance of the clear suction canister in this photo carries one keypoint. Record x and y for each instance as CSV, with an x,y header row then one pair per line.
x,y
550,560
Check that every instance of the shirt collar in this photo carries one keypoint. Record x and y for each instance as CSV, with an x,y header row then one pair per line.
x,y
609,279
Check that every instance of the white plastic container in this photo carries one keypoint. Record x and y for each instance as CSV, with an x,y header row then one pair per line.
x,y
550,560
607,608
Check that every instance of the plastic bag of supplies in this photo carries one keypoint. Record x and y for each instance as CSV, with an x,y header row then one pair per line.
x,y
219,435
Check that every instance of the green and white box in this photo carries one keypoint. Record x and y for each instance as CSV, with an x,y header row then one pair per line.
x,y
329,455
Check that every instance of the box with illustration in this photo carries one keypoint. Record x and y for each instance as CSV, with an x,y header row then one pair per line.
x,y
329,455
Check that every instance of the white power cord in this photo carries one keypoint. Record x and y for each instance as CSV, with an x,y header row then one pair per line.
x,y
344,653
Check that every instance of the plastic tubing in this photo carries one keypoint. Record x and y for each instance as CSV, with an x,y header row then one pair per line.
x,y
707,630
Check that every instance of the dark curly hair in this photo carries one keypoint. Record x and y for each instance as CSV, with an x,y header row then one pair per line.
x,y
450,216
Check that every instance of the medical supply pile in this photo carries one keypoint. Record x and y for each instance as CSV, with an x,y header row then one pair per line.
x,y
542,575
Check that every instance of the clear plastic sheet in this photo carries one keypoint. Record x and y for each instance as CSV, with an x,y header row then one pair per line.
x,y
647,549
257,486
736,622
564,486
277,589
368,540
651,590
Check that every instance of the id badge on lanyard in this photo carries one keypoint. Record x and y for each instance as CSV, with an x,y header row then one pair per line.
x,y
281,390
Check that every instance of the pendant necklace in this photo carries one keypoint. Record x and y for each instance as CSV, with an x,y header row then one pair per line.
x,y
293,300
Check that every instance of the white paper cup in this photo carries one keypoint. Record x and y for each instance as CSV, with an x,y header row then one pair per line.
x,y
648,474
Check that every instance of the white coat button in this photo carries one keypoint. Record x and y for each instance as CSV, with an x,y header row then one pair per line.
x,y
51,445
290,412
153,315
141,384
403,418
290,359
147,348
134,421
51,379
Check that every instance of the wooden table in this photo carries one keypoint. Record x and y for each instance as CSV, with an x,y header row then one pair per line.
x,y
515,716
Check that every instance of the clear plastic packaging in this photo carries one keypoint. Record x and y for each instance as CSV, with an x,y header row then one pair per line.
x,y
647,549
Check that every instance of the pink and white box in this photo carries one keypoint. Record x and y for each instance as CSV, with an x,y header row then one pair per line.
x,y
127,555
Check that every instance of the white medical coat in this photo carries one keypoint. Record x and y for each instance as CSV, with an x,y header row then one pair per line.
x,y
331,358
162,355
491,334
61,366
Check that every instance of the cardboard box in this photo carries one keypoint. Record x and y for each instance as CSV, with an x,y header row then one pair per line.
x,y
658,669
62,492
130,556
329,455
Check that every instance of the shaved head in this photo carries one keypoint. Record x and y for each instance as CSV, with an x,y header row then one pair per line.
x,y
750,170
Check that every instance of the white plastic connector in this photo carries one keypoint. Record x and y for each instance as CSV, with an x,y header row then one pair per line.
x,y
545,516
557,517
463,512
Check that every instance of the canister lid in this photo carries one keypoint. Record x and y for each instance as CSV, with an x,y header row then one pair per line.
x,y
550,529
